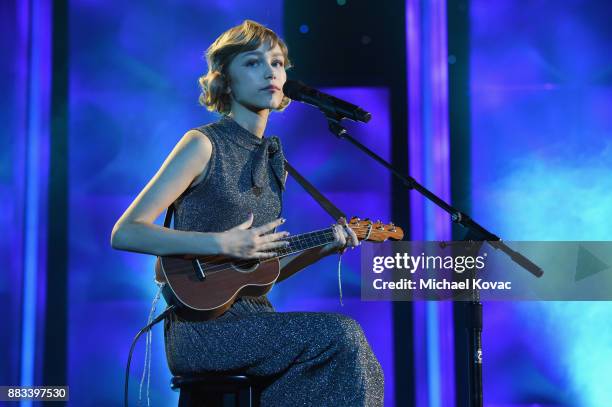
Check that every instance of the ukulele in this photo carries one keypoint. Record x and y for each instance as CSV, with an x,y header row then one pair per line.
x,y
204,287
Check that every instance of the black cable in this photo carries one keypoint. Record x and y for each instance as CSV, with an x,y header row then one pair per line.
x,y
143,330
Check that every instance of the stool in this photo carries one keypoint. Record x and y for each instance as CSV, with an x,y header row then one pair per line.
x,y
218,390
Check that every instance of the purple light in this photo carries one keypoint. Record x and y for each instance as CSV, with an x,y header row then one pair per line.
x,y
35,31
441,163
428,128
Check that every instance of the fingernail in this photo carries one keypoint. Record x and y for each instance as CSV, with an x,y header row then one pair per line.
x,y
283,220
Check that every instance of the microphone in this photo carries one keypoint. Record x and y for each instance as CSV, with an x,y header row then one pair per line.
x,y
328,104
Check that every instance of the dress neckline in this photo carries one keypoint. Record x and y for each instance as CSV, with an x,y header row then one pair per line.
x,y
239,133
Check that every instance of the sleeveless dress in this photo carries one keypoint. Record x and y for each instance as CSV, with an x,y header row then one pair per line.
x,y
314,358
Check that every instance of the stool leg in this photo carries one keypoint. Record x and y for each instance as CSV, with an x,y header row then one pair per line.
x,y
256,394
213,399
191,397
185,398
245,397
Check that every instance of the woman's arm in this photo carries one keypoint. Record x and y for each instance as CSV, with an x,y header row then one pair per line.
x,y
135,230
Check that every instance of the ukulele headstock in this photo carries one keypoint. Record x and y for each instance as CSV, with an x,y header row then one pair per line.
x,y
377,231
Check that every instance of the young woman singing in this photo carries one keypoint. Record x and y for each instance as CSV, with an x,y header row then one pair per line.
x,y
226,181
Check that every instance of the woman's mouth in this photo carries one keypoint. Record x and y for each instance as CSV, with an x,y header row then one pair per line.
x,y
271,88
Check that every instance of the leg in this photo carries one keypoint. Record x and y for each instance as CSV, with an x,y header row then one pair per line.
x,y
318,358
333,369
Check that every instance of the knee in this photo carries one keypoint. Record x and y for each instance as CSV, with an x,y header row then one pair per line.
x,y
352,342
347,333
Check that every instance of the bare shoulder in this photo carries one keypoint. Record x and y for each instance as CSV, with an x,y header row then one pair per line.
x,y
198,143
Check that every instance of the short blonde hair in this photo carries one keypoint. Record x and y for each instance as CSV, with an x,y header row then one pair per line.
x,y
245,37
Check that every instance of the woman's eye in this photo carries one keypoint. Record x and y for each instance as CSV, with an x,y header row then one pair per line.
x,y
254,62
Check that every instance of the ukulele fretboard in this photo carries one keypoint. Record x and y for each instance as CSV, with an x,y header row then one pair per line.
x,y
305,241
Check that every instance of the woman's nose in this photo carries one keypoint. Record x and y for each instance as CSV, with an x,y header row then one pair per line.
x,y
269,72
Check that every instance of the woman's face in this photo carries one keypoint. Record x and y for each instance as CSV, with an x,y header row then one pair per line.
x,y
257,78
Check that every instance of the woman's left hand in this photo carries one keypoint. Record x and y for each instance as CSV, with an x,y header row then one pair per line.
x,y
345,238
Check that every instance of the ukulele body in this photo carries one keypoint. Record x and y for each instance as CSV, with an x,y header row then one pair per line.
x,y
203,288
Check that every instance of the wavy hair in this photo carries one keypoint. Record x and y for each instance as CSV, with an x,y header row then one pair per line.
x,y
245,37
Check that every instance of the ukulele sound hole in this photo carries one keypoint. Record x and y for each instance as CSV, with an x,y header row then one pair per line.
x,y
246,266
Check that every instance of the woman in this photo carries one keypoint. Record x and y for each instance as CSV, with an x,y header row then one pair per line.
x,y
226,182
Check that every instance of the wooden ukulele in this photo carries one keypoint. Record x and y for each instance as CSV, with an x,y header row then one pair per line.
x,y
204,287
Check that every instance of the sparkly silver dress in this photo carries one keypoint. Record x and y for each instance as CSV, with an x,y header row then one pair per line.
x,y
314,358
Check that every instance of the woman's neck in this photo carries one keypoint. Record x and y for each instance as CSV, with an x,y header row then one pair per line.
x,y
255,122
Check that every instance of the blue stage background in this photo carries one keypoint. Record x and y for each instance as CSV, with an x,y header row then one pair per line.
x,y
540,97
541,93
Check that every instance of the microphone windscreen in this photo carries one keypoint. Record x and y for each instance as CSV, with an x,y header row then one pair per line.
x,y
291,89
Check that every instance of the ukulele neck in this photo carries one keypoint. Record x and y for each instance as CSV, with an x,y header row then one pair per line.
x,y
304,241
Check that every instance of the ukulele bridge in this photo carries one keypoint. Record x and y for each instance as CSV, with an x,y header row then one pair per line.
x,y
198,269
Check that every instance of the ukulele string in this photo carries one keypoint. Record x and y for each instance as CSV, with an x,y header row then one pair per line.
x,y
327,233
243,262
298,239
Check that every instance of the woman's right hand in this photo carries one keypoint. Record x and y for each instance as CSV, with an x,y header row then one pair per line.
x,y
242,242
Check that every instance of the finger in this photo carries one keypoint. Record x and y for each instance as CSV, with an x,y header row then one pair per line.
x,y
336,234
246,224
273,236
252,255
273,245
263,255
260,230
353,236
341,235
341,239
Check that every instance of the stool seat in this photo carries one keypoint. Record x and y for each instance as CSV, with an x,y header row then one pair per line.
x,y
214,388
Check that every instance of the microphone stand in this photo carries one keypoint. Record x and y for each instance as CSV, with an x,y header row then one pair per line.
x,y
475,233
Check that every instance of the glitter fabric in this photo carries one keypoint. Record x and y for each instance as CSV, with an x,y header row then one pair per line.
x,y
315,359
